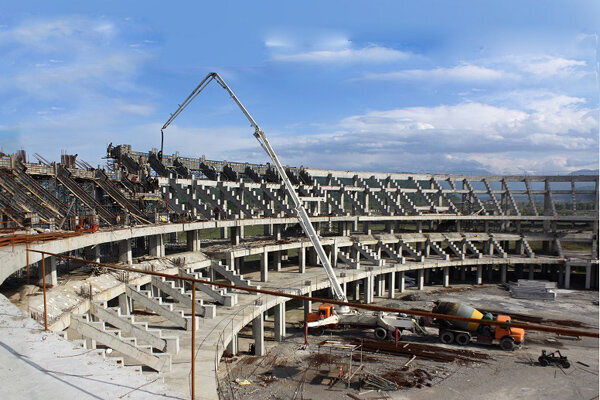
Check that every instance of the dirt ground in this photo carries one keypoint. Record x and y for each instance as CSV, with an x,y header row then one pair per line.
x,y
291,370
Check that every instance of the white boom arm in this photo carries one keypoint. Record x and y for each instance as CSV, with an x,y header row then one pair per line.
x,y
301,214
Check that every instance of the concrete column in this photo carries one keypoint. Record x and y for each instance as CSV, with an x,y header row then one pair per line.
x,y
236,235
427,273
277,231
96,253
368,289
334,255
463,273
125,252
392,285
366,228
380,285
402,282
233,346
51,274
490,273
225,233
264,267
156,245
588,275
302,259
277,260
356,286
258,333
503,274
280,322
421,279
531,271
446,276
479,279
124,304
568,274
193,240
307,303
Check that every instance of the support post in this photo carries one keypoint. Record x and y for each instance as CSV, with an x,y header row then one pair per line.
x,y
280,322
264,266
421,279
567,274
446,282
258,333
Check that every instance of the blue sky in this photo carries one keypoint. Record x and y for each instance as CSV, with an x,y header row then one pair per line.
x,y
429,86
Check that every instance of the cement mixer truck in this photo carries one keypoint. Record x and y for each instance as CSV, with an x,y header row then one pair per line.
x,y
462,333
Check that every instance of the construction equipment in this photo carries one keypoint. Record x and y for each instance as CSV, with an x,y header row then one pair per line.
x,y
87,224
298,208
384,325
554,358
462,333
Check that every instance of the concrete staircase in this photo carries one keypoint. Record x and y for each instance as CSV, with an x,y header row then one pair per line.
x,y
155,304
411,251
407,200
178,293
391,253
128,325
349,261
219,295
495,245
454,249
425,196
278,200
468,245
467,184
443,195
529,251
437,250
236,199
126,347
493,197
368,254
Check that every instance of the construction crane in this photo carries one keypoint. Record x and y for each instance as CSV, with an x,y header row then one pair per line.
x,y
299,209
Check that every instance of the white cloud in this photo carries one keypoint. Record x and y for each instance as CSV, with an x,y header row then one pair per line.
x,y
547,66
460,73
370,54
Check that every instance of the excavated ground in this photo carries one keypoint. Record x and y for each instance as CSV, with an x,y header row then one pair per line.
x,y
294,371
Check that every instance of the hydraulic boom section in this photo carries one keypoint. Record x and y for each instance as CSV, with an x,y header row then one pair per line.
x,y
299,209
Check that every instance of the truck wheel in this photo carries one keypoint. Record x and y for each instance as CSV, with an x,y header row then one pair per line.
x,y
380,333
462,339
566,364
318,331
507,343
447,337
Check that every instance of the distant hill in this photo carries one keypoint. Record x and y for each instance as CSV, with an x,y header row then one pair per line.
x,y
585,172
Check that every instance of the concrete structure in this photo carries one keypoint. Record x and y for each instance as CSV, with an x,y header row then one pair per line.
x,y
235,224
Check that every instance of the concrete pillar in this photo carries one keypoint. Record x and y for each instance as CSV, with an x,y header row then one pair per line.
x,y
96,253
51,274
225,233
302,259
446,282
588,275
124,304
380,285
280,322
367,228
233,346
490,273
427,278
392,285
421,279
258,333
463,273
503,274
230,261
277,231
125,252
236,235
368,289
193,240
356,286
277,260
402,282
307,305
568,274
479,279
156,245
531,271
264,267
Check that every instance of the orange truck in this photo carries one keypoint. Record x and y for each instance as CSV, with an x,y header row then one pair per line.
x,y
462,333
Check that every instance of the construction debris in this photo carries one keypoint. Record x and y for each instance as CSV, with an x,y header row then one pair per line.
x,y
533,290
423,351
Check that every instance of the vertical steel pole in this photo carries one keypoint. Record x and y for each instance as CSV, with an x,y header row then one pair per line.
x,y
44,290
27,260
193,340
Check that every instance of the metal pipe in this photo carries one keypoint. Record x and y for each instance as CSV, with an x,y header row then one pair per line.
x,y
370,307
193,340
44,291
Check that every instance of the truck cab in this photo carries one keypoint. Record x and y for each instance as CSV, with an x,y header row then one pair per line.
x,y
508,337
325,311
